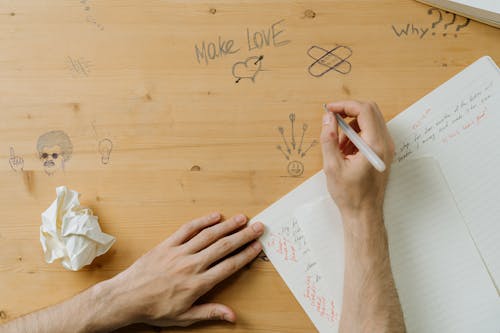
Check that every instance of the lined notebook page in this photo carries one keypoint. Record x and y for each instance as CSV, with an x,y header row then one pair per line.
x,y
321,224
295,257
441,280
459,124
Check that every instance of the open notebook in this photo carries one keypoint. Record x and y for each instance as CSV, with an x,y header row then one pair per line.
x,y
458,124
445,258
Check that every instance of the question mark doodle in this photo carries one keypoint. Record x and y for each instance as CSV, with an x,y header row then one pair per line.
x,y
449,23
440,17
460,26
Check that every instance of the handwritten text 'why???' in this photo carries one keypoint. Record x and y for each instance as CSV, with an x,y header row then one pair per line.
x,y
270,36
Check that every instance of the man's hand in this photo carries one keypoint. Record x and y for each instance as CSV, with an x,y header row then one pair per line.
x,y
370,301
161,287
353,182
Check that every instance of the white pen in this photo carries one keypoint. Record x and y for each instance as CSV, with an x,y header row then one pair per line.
x,y
359,143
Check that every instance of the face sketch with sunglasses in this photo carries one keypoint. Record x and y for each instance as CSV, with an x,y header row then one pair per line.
x,y
54,149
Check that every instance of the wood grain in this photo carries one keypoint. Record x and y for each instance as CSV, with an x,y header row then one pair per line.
x,y
187,139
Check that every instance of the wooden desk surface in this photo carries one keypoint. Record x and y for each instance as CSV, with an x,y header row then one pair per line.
x,y
193,119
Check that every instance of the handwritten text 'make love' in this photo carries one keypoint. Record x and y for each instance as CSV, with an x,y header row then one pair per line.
x,y
211,50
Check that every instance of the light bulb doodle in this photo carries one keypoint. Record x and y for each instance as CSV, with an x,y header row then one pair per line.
x,y
105,149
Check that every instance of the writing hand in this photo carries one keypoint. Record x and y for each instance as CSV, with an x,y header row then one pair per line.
x,y
353,183
370,301
16,162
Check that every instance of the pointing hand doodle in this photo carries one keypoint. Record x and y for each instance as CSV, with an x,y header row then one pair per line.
x,y
16,162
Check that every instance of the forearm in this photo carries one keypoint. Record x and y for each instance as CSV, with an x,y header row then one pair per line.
x,y
93,310
371,302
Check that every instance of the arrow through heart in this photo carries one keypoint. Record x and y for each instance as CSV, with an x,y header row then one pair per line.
x,y
247,69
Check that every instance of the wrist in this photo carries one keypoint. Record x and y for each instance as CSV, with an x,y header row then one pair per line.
x,y
363,223
105,307
365,236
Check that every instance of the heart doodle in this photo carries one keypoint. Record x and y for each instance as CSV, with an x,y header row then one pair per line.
x,y
247,69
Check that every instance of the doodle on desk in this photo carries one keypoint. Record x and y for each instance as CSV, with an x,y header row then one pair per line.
x,y
105,147
267,37
90,17
458,27
294,152
446,25
327,60
282,132
272,36
16,162
54,150
247,69
411,29
463,25
79,66
440,17
292,122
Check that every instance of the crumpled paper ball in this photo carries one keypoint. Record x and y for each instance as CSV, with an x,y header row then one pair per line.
x,y
71,232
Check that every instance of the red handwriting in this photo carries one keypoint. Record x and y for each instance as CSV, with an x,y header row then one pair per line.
x,y
324,307
465,127
419,122
283,247
450,136
480,116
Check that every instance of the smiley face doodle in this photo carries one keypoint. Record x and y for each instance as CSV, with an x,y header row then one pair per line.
x,y
54,150
295,168
247,69
293,149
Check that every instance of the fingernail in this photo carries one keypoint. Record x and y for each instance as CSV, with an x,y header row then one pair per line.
x,y
257,246
327,118
214,215
240,218
258,227
227,317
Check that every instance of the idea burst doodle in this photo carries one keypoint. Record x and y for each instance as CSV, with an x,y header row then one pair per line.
x,y
292,149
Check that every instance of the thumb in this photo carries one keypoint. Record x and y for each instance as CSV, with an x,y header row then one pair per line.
x,y
208,311
332,156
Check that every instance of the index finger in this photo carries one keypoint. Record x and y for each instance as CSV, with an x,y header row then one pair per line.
x,y
12,154
349,108
370,119
190,229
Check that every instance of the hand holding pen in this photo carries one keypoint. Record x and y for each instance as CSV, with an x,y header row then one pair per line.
x,y
356,140
356,161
